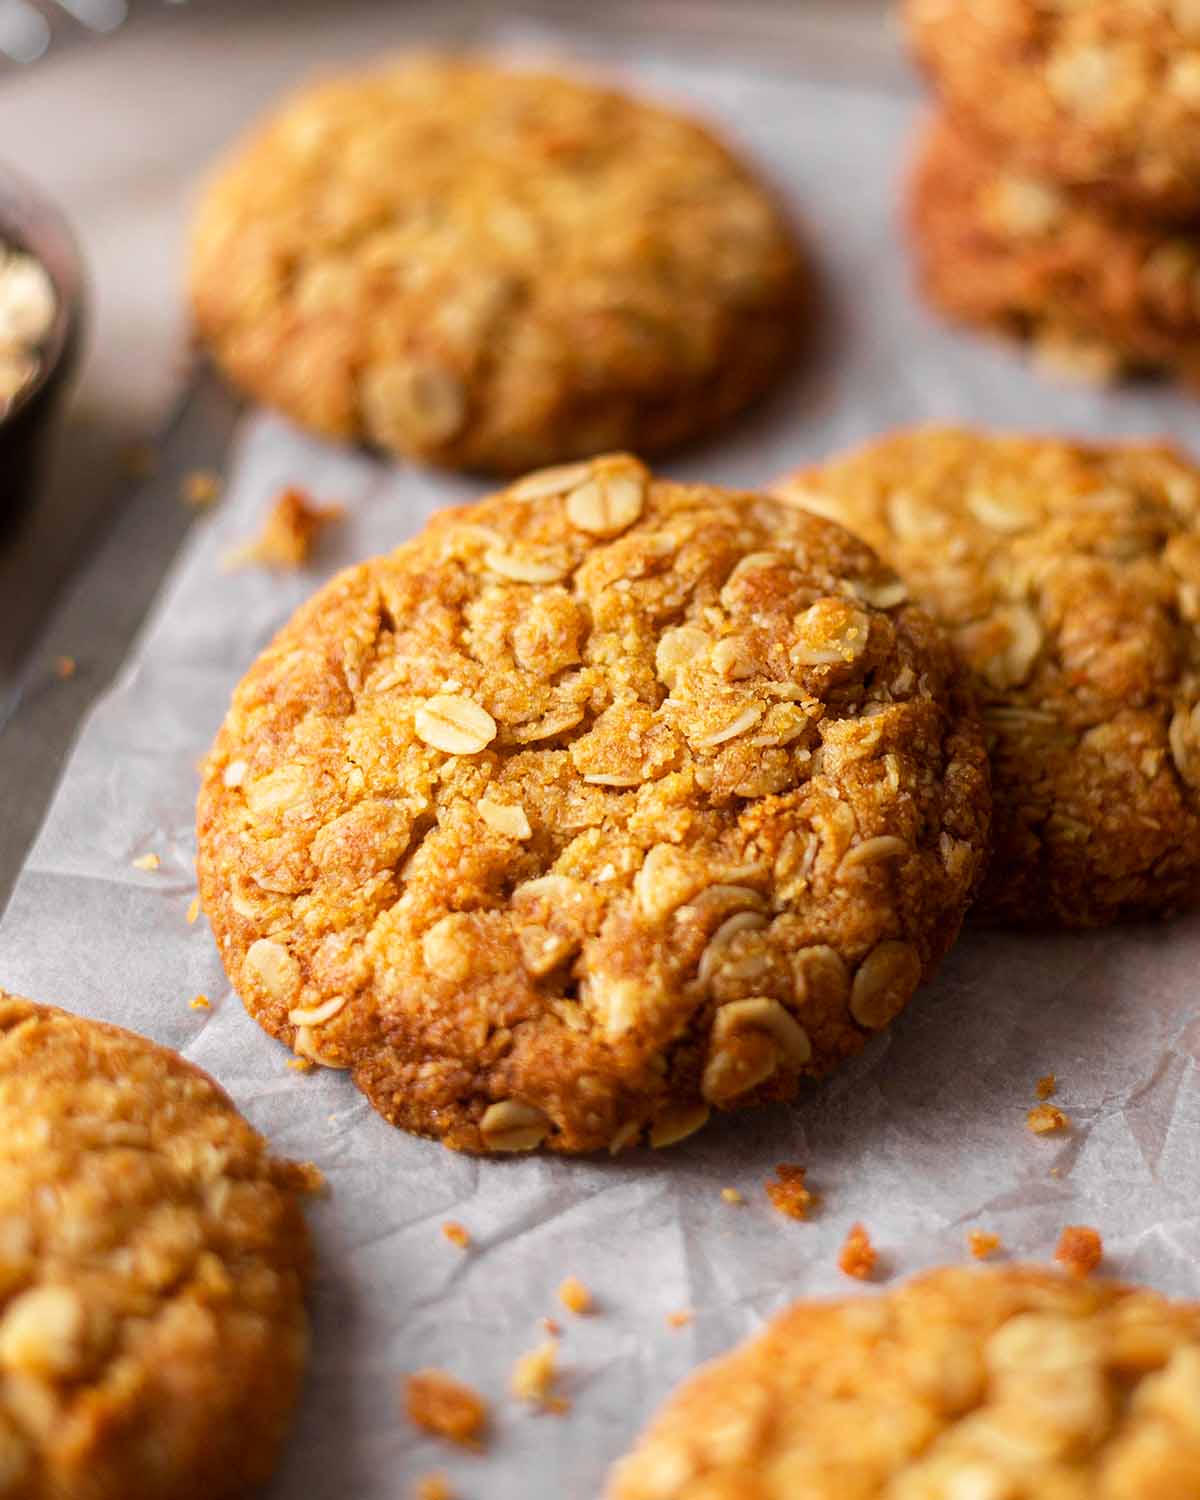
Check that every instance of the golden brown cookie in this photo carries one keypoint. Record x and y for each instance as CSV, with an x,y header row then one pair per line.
x,y
599,804
1101,96
964,1384
1069,578
1097,295
493,269
153,1259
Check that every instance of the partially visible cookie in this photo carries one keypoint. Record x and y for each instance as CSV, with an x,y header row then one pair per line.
x,y
964,1384
1096,295
1069,578
493,269
153,1259
598,805
1101,96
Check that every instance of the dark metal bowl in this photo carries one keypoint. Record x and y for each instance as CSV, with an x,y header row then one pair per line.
x,y
30,222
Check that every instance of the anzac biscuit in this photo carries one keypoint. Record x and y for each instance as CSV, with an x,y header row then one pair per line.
x,y
153,1259
493,269
1096,295
1069,578
1101,96
1013,1384
598,805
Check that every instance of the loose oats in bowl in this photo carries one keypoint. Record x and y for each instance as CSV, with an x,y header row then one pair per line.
x,y
41,317
28,305
600,805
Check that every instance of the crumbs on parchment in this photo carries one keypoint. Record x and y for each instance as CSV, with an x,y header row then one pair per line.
x,y
788,1193
982,1243
534,1375
1045,1119
858,1257
1080,1249
576,1297
289,532
445,1407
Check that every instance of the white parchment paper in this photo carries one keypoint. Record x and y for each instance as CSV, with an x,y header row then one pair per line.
x,y
921,1138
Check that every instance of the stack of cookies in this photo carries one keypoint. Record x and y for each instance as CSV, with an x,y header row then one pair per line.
x,y
1056,195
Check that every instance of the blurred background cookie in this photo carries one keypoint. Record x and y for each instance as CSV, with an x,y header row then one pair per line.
x,y
962,1383
492,269
1096,294
153,1259
1069,578
1101,97
598,805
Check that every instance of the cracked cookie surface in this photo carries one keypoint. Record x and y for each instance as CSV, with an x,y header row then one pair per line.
x,y
1009,1384
492,269
1069,578
600,804
1097,295
153,1258
1102,97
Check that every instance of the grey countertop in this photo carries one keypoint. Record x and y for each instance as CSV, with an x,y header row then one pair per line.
x,y
118,130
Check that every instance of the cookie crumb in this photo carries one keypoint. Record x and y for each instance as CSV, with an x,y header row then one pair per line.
x,y
731,1195
201,488
301,1064
434,1487
551,1327
147,862
982,1243
1047,1086
575,1296
680,1319
445,1407
456,1233
1044,1119
193,910
788,1195
286,540
1080,1249
533,1378
64,667
200,1002
858,1256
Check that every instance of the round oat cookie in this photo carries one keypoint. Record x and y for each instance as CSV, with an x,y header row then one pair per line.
x,y
964,1384
1069,578
1101,96
493,269
599,804
153,1259
1097,296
